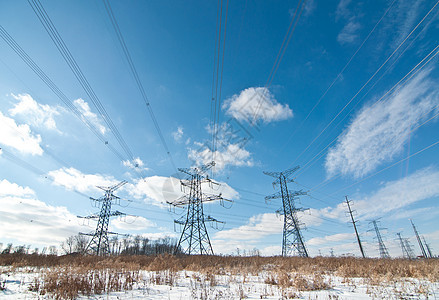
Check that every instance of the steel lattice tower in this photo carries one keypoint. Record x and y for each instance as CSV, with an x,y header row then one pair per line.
x,y
99,244
355,227
292,239
384,253
407,251
424,253
194,237
430,253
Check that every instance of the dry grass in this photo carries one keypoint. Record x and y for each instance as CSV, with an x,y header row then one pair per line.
x,y
225,265
66,277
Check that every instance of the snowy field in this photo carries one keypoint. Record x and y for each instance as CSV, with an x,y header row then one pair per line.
x,y
22,283
237,278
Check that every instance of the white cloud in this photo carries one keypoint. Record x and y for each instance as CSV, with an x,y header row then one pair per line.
x,y
19,137
129,223
309,8
342,10
36,114
73,179
393,195
159,235
12,189
379,131
84,108
256,103
331,238
257,227
136,164
177,135
230,155
216,188
158,190
403,18
271,251
31,221
349,32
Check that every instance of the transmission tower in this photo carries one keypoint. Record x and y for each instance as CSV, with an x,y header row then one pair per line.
x,y
424,254
292,237
99,244
384,253
355,226
407,251
409,248
194,238
430,254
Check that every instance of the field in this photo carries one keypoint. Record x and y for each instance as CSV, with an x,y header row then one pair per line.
x,y
215,277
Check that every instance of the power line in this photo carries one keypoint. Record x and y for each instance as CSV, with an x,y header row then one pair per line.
x,y
137,79
282,50
340,73
365,84
50,28
419,66
30,167
388,167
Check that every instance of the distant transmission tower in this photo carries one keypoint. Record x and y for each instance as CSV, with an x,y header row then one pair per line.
x,y
384,253
424,254
355,227
407,251
194,238
430,254
292,237
99,244
409,248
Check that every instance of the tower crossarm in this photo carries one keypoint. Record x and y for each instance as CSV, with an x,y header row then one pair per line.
x,y
273,196
114,187
183,200
116,213
93,216
284,174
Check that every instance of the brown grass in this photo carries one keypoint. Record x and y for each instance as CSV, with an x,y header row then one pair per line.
x,y
344,267
66,277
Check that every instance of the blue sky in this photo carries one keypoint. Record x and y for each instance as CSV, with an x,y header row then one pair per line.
x,y
353,101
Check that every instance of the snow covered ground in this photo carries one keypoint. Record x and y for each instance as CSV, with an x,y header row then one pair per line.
x,y
28,283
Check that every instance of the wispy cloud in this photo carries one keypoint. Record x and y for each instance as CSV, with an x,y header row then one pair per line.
x,y
136,164
403,19
349,33
84,108
129,223
35,114
379,131
73,179
342,10
19,137
256,103
309,8
178,134
230,150
331,239
392,196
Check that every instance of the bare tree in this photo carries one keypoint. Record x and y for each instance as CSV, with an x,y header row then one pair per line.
x,y
69,245
81,243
